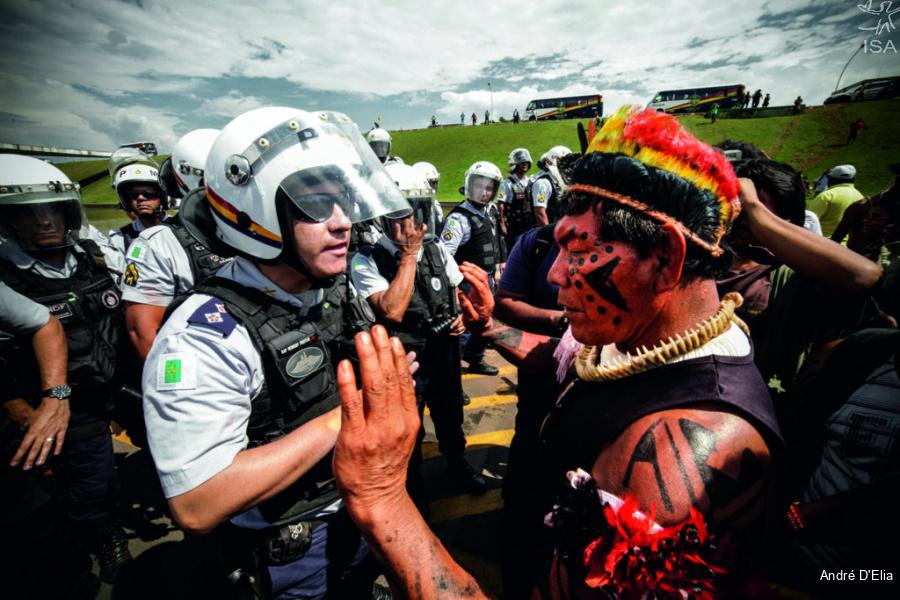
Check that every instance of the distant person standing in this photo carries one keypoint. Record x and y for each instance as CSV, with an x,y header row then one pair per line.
x,y
855,127
433,121
714,112
462,118
516,117
798,105
766,101
830,205
746,99
487,117
474,118
757,95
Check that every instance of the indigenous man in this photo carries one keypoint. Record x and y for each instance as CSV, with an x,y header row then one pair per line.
x,y
681,441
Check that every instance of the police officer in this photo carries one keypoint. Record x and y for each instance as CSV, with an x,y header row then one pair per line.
x,y
433,176
516,216
469,235
44,259
410,280
165,261
545,188
240,399
380,141
140,196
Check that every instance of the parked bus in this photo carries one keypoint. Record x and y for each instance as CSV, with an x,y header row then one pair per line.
x,y
569,107
148,148
698,99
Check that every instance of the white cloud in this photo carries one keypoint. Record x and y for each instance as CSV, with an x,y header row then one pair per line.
x,y
368,50
229,105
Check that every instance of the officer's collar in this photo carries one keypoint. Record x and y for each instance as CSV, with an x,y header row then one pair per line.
x,y
480,210
244,272
11,251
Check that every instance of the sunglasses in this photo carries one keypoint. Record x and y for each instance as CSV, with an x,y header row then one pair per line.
x,y
135,194
318,208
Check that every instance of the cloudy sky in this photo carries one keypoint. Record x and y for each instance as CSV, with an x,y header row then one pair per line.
x,y
98,73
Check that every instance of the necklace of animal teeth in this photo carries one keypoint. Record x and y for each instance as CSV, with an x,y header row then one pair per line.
x,y
588,366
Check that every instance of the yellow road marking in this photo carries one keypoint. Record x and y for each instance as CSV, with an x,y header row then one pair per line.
x,y
491,438
504,372
460,507
483,401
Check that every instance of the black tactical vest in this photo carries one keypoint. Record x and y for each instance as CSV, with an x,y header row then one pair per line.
x,y
129,233
482,247
204,262
87,306
300,349
519,214
432,306
554,209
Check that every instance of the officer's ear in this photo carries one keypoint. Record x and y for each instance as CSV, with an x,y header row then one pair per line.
x,y
462,190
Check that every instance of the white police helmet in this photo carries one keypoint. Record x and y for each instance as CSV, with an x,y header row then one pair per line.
x,y
482,182
555,153
183,170
35,192
380,142
418,192
517,157
430,173
126,156
134,173
272,165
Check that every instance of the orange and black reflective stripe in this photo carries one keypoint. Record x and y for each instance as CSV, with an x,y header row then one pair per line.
x,y
229,214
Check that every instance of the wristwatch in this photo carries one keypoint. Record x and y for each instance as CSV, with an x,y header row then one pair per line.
x,y
61,392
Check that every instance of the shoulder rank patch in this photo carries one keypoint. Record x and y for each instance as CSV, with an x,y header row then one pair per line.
x,y
214,315
448,235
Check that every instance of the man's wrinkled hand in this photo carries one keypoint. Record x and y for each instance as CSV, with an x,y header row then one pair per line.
x,y
45,432
379,425
478,304
408,236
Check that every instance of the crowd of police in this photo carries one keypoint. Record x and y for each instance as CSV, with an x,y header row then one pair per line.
x,y
210,326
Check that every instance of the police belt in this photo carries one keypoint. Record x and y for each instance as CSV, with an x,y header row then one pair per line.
x,y
271,546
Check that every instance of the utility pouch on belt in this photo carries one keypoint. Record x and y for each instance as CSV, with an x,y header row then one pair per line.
x,y
288,543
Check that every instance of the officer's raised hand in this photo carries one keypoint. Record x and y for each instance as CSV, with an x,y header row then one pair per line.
x,y
478,304
378,425
408,236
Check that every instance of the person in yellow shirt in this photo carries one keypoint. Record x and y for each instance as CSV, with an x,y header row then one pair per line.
x,y
830,205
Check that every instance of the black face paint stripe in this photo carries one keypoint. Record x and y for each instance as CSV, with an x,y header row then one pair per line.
x,y
599,279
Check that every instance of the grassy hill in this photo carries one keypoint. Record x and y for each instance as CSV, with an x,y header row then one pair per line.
x,y
811,142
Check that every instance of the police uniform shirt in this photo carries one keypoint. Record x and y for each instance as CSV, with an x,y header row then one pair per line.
x,y
541,191
368,280
198,382
156,268
19,314
457,229
117,243
507,193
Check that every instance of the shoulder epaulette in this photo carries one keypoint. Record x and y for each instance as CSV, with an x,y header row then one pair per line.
x,y
214,315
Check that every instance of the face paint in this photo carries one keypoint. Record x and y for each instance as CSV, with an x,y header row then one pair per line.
x,y
604,299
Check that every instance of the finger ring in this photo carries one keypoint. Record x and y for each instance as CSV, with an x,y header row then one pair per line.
x,y
49,440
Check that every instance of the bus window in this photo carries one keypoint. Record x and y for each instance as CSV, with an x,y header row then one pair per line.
x,y
530,106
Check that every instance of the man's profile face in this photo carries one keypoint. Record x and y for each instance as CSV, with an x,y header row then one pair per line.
x,y
40,226
605,287
522,168
323,246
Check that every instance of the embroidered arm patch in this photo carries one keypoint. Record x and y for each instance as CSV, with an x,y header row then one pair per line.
x,y
214,315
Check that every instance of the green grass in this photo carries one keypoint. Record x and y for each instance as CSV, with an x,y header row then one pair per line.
x,y
78,170
811,142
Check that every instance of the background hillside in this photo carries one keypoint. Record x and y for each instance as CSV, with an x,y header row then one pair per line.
x,y
811,142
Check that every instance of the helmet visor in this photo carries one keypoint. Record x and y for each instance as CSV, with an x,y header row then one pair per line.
x,y
381,149
43,225
481,189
